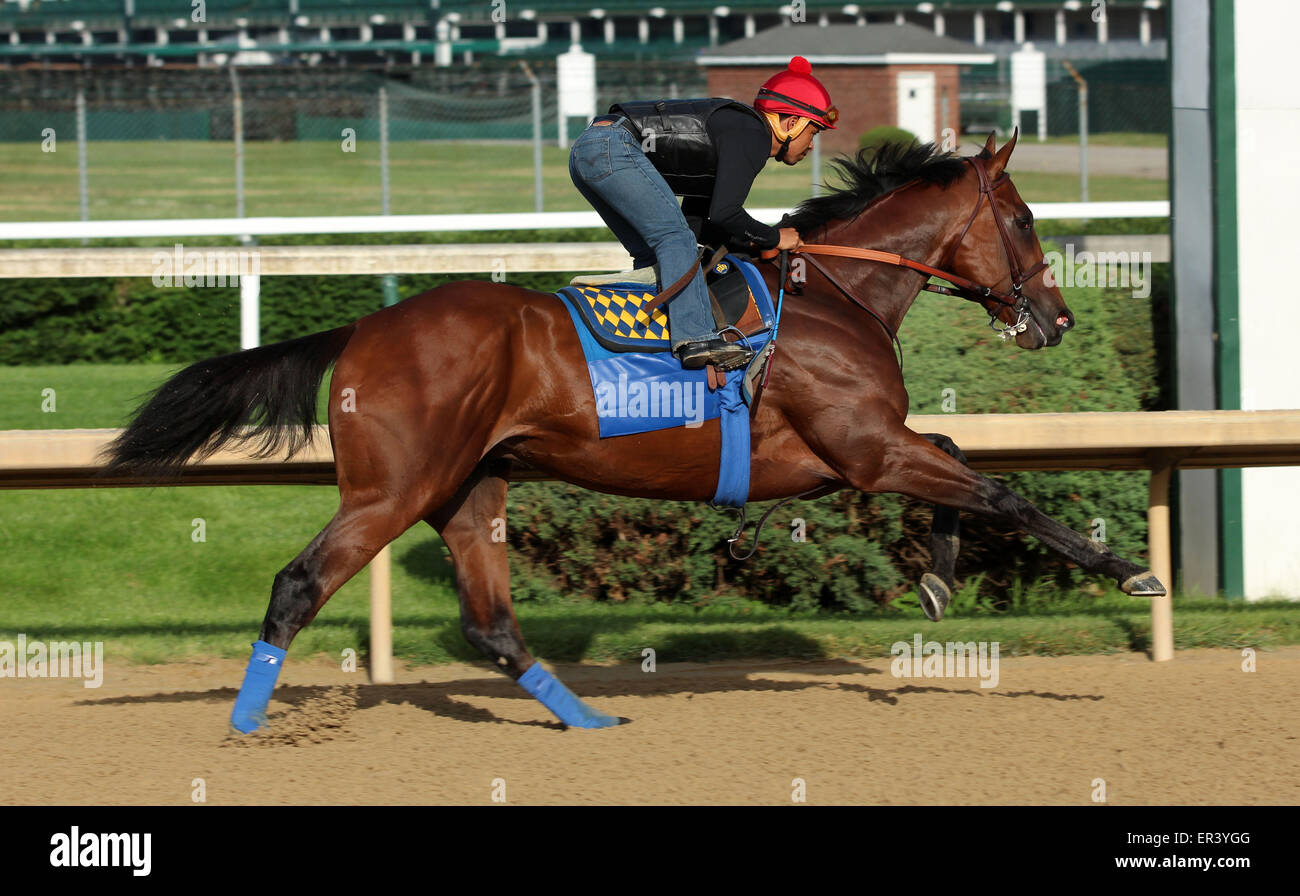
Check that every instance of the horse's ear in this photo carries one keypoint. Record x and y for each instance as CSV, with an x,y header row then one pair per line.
x,y
999,163
990,146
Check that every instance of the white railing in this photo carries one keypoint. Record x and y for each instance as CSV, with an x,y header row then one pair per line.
x,y
126,229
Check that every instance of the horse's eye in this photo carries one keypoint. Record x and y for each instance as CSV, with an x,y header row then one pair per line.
x,y
1025,222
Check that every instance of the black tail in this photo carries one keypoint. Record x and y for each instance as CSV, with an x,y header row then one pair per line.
x,y
271,388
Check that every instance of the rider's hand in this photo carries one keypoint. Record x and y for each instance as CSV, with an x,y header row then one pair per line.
x,y
789,239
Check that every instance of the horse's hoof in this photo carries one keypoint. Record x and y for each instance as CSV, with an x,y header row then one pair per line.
x,y
1144,584
596,720
934,595
247,724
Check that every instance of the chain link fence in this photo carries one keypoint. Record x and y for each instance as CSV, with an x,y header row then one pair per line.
x,y
137,143
986,98
209,142
1127,96
1130,96
220,142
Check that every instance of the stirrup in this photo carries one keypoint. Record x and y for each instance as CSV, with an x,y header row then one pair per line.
x,y
717,351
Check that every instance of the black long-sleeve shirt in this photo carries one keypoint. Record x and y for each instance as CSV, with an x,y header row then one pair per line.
x,y
744,145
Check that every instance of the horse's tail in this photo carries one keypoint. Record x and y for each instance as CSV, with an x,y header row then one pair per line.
x,y
206,406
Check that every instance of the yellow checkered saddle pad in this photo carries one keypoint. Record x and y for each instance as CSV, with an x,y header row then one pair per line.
x,y
620,313
616,316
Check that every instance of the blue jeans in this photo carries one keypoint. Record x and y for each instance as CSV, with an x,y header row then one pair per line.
x,y
610,170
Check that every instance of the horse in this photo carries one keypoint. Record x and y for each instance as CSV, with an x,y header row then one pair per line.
x,y
454,389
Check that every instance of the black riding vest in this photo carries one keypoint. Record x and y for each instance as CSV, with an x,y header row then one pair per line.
x,y
675,135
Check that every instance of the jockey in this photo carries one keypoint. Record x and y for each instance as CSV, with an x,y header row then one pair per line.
x,y
632,163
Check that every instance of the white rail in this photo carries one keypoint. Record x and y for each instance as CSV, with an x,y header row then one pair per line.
x,y
123,229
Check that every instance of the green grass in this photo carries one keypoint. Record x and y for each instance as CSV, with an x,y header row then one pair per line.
x,y
86,396
1040,187
1115,138
196,179
123,566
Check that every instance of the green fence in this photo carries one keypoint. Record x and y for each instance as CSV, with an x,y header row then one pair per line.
x,y
110,124
1126,95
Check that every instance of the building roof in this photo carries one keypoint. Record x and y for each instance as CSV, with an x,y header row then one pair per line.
x,y
847,45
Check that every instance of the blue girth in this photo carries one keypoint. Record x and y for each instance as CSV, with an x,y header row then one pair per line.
x,y
733,466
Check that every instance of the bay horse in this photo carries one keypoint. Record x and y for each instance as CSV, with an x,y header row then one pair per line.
x,y
456,387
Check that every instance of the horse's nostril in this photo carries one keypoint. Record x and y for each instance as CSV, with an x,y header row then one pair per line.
x,y
1065,320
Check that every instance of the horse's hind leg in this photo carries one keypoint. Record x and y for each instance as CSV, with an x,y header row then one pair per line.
x,y
341,550
936,587
351,539
472,526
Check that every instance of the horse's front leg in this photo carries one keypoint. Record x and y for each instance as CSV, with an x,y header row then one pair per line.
x,y
909,464
936,587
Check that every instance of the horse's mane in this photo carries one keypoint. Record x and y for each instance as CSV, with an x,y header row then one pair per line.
x,y
869,175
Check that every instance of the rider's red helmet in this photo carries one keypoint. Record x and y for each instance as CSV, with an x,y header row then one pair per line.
x,y
796,92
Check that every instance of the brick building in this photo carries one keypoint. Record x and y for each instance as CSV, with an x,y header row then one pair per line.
x,y
889,74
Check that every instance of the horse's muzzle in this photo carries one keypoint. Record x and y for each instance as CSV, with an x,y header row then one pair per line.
x,y
1064,322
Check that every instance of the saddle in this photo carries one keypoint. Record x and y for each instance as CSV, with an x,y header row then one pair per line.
x,y
623,317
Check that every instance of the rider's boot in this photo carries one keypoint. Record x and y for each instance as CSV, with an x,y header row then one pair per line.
x,y
717,351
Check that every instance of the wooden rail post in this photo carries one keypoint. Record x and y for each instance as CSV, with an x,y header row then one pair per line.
x,y
381,617
1161,558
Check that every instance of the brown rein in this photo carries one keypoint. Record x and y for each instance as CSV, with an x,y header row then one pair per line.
x,y
977,291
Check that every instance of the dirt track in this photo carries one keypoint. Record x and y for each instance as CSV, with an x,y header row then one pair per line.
x,y
1197,730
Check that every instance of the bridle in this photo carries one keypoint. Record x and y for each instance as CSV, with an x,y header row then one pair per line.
x,y
961,286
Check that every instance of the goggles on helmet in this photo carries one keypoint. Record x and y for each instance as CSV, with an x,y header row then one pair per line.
x,y
831,115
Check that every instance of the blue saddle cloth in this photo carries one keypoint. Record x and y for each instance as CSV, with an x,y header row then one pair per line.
x,y
638,384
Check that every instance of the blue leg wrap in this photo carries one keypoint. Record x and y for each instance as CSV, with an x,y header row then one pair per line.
x,y
259,680
560,700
